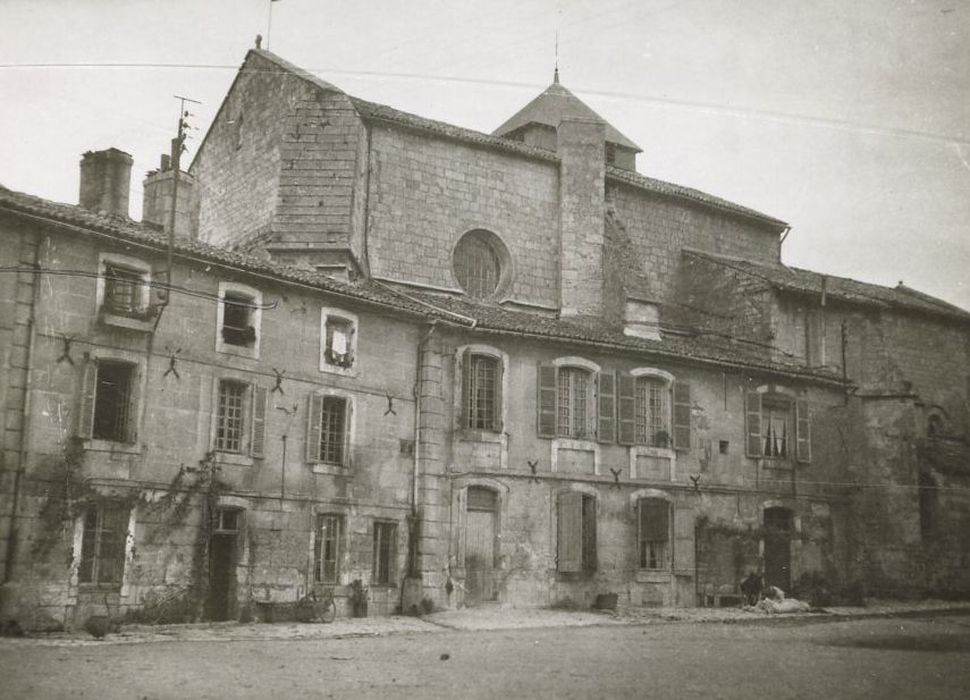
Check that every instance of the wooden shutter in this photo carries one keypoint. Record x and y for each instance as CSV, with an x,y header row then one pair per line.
x,y
499,397
85,413
803,432
546,401
466,388
626,401
606,407
684,541
314,412
257,442
752,424
682,417
570,540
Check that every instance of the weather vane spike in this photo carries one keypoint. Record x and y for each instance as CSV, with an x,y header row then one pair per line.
x,y
555,72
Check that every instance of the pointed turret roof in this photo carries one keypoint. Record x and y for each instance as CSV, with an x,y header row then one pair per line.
x,y
552,105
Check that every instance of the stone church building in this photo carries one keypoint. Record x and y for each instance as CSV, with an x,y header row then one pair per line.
x,y
394,358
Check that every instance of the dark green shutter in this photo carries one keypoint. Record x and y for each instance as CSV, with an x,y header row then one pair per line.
x,y
626,403
682,415
752,424
803,432
546,400
606,407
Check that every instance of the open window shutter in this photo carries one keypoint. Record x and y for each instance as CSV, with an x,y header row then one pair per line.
x,y
606,413
257,444
499,398
546,401
682,406
684,541
570,541
85,413
466,387
314,412
803,432
626,401
752,424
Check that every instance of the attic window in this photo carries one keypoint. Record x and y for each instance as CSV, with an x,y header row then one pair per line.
x,y
481,264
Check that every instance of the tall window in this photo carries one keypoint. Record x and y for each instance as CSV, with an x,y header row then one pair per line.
x,y
777,426
653,533
775,418
652,412
577,532
230,421
385,549
326,553
573,402
328,429
107,409
482,397
105,530
237,321
478,261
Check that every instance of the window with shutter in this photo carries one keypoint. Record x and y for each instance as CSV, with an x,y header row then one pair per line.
x,y
652,412
103,538
328,430
626,409
314,413
546,400
682,415
752,417
573,402
654,533
257,443
576,546
684,540
327,549
106,407
606,413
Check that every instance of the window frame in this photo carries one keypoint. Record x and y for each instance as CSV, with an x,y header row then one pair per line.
x,y
577,532
464,356
314,431
255,299
328,314
319,543
87,413
385,532
83,536
495,246
759,405
666,564
255,416
141,315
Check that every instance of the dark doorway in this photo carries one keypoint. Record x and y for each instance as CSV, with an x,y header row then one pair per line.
x,y
222,565
480,545
778,531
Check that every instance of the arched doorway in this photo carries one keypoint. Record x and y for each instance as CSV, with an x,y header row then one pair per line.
x,y
778,533
480,530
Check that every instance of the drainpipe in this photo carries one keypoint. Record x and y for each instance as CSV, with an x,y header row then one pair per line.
x,y
12,538
422,344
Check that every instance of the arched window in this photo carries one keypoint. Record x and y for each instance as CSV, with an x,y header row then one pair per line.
x,y
480,264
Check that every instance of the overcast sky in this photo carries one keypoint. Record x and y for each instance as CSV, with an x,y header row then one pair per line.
x,y
849,119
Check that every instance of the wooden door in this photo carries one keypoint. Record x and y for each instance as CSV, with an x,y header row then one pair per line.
x,y
778,523
222,576
480,546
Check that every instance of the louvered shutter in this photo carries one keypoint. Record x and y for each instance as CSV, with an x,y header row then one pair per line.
x,y
257,443
314,412
85,413
499,397
466,388
684,541
803,432
752,424
546,401
606,407
570,540
626,402
682,415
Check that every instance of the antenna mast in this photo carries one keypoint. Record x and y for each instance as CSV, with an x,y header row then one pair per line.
x,y
178,146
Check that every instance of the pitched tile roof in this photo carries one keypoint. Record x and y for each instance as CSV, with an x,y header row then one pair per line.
x,y
551,106
124,229
702,348
795,279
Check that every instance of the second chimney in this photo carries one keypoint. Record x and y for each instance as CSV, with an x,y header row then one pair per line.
x,y
157,199
106,181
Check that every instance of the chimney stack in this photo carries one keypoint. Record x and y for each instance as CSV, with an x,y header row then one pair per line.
x,y
106,181
157,199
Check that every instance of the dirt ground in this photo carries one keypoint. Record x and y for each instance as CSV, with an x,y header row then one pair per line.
x,y
923,657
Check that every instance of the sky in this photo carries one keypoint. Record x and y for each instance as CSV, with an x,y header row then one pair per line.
x,y
848,119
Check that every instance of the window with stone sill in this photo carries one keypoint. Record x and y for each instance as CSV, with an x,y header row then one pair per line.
x,y
237,322
338,340
481,392
327,548
107,408
124,290
329,430
653,534
385,553
103,538
240,424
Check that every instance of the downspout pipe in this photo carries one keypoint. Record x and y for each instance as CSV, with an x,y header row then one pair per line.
x,y
12,533
422,346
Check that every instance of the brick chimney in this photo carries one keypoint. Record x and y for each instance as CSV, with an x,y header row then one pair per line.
x,y
582,211
106,181
157,200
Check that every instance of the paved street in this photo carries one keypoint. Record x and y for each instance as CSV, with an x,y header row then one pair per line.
x,y
927,657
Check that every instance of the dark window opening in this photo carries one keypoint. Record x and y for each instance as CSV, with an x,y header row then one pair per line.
x,y
227,520
112,402
477,266
230,418
339,338
654,533
577,533
482,392
123,290
723,446
326,553
237,324
103,545
385,548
